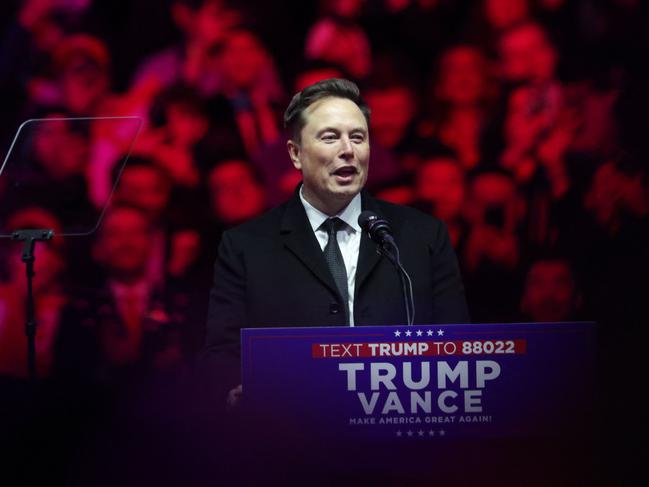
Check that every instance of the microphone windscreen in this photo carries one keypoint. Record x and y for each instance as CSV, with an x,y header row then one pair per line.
x,y
365,218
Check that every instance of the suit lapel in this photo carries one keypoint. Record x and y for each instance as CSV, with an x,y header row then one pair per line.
x,y
299,238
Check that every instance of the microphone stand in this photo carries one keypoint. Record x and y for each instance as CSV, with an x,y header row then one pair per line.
x,y
390,250
30,237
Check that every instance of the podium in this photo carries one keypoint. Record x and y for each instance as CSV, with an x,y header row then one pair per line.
x,y
423,383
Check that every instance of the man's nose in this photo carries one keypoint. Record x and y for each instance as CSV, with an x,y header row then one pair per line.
x,y
346,147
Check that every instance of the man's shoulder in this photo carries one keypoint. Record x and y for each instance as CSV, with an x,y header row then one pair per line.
x,y
261,226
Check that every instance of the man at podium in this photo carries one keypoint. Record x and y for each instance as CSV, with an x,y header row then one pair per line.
x,y
307,262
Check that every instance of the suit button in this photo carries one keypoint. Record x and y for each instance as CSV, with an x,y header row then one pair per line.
x,y
334,308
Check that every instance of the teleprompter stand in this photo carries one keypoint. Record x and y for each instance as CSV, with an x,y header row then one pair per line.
x,y
30,237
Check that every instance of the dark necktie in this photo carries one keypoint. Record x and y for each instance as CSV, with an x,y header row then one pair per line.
x,y
334,257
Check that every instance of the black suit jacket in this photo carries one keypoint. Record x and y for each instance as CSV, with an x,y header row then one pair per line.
x,y
271,271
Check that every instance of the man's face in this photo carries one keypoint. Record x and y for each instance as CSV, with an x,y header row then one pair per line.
x,y
493,201
84,83
333,153
441,182
392,112
235,195
210,23
526,55
462,76
125,242
242,59
143,187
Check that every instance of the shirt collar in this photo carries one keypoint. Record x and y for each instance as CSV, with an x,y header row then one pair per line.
x,y
349,214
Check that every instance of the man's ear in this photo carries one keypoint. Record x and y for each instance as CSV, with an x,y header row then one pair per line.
x,y
294,153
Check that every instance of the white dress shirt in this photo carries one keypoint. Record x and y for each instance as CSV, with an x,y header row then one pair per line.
x,y
349,239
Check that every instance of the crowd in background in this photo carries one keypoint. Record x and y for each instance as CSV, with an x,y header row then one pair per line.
x,y
519,123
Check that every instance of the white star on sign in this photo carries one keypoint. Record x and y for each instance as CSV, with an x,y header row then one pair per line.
x,y
399,433
440,333
409,433
419,333
408,333
442,432
431,433
429,333
420,433
397,333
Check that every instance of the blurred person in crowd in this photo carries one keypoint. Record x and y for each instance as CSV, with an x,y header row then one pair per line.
x,y
555,168
551,293
26,52
236,193
539,126
176,138
392,103
50,295
463,98
80,81
536,136
490,18
337,38
128,323
493,250
494,210
439,189
591,105
527,55
551,132
528,59
147,186
194,62
618,204
618,194
175,242
83,65
251,85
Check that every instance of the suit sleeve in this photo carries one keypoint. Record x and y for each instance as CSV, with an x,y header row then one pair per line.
x,y
220,360
449,302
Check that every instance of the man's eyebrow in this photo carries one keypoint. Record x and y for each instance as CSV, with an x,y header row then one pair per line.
x,y
337,130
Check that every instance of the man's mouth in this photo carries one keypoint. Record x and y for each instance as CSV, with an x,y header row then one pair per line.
x,y
345,171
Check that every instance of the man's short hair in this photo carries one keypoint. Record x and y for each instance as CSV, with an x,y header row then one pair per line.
x,y
332,87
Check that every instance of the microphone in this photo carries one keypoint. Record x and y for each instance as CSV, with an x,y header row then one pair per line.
x,y
380,232
378,229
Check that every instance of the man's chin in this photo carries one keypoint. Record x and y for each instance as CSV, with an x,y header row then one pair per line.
x,y
347,191
348,188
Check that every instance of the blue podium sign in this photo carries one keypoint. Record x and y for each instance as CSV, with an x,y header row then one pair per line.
x,y
423,382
